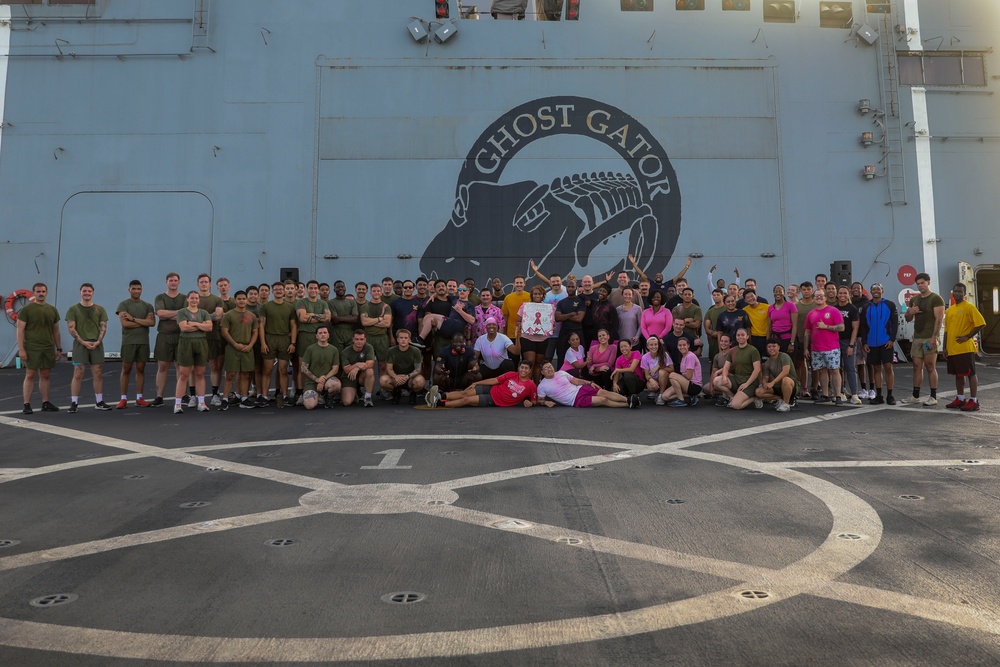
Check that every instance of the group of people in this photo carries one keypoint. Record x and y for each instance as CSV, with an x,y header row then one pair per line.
x,y
583,344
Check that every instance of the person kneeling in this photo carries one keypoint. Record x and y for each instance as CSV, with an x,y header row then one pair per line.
x,y
780,383
686,385
737,385
402,369
505,391
320,365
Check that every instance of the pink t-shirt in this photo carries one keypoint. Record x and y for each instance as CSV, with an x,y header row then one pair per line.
x,y
690,361
823,340
625,362
781,318
573,356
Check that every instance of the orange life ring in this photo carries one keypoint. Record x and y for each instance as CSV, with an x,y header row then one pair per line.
x,y
12,299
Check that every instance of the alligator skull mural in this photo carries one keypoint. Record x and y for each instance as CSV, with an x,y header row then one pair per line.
x,y
578,223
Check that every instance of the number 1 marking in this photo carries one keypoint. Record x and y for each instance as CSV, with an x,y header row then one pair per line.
x,y
390,460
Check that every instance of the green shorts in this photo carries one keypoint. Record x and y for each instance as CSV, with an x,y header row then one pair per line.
x,y
238,362
45,358
84,357
737,380
216,347
917,350
192,352
303,342
380,344
166,346
134,353
277,346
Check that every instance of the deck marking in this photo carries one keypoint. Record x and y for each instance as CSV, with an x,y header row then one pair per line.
x,y
813,574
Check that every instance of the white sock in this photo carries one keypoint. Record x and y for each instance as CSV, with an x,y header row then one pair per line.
x,y
125,398
74,399
99,397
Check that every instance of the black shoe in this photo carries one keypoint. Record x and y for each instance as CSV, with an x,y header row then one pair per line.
x,y
413,397
262,402
247,404
822,399
634,402
396,395
73,409
418,342
878,400
158,403
891,400
48,407
223,406
102,406
27,409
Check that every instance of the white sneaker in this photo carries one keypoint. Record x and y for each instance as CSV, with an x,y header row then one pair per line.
x,y
433,396
659,400
783,407
908,401
758,403
855,400
300,400
930,402
193,402
871,394
216,400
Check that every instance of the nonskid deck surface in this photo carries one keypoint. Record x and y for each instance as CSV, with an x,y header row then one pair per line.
x,y
697,536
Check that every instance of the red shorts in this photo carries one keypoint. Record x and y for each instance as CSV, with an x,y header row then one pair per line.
x,y
585,397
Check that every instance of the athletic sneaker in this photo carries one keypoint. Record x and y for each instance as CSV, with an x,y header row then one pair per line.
x,y
413,398
839,401
651,396
878,400
279,400
721,402
216,400
806,395
122,404
783,407
692,401
262,402
633,401
909,401
957,403
930,402
27,409
157,402
101,405
856,400
223,406
890,400
49,407
433,396
822,399
202,407
178,410
73,409
659,399
758,403
192,401
418,342
142,403
677,403
300,400
247,404
871,394
970,406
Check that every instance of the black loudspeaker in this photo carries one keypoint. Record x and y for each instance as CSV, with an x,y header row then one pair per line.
x,y
840,273
293,274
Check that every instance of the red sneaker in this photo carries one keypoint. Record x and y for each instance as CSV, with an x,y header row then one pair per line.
x,y
970,406
957,403
142,403
122,404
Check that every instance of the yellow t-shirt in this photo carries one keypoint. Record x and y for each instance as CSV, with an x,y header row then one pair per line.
x,y
960,320
758,319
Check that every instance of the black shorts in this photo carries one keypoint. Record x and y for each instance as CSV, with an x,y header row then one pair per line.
x,y
485,398
538,348
693,389
880,355
962,365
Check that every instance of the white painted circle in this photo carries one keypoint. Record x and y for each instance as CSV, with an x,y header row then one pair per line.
x,y
831,559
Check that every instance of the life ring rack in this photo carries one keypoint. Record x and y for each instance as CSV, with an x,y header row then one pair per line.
x,y
11,301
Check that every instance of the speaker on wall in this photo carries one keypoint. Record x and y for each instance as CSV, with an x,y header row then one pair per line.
x,y
289,274
840,273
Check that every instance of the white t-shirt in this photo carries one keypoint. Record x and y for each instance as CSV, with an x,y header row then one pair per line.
x,y
573,356
560,388
493,353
